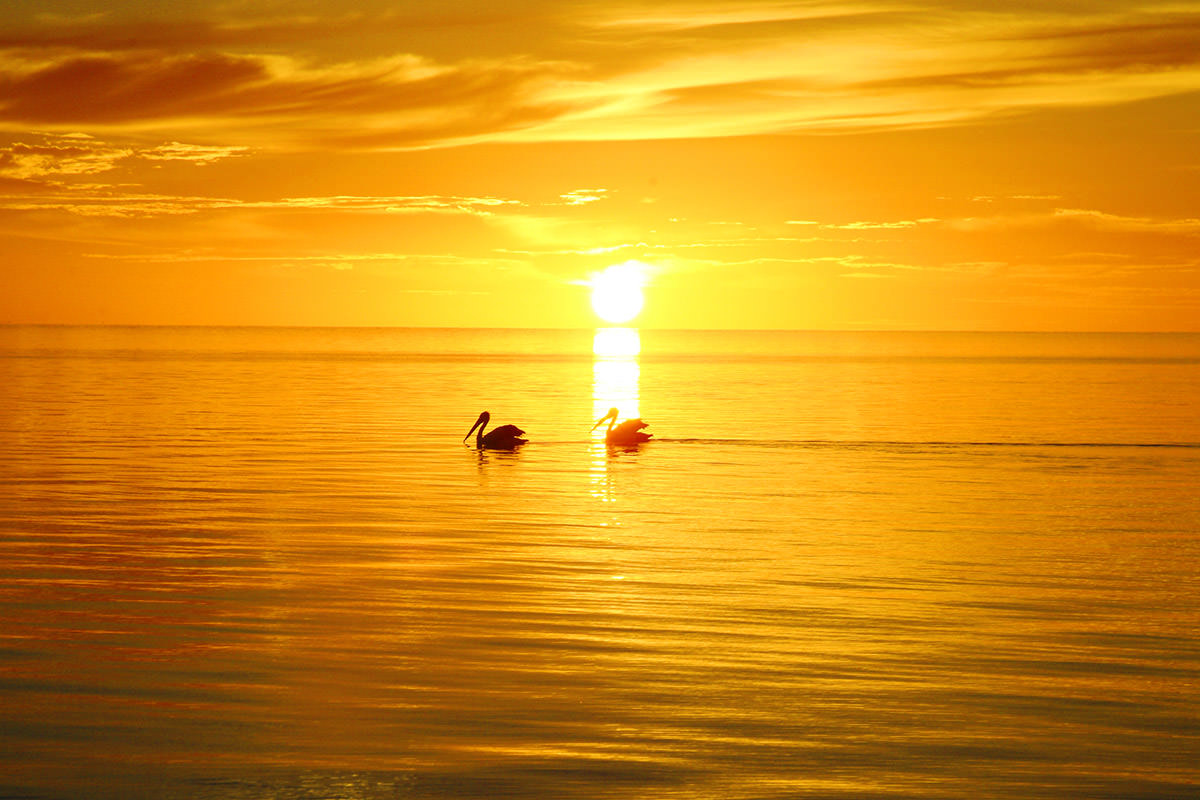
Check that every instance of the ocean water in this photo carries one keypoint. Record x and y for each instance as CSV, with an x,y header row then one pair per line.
x,y
261,563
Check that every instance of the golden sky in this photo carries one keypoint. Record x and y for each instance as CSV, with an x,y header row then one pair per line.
x,y
967,165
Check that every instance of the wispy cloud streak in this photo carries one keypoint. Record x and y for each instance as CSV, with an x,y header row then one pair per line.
x,y
683,69
63,156
100,200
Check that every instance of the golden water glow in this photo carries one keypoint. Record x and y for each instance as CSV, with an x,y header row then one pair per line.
x,y
616,343
921,564
615,373
615,383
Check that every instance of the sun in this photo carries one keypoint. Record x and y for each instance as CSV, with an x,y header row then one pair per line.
x,y
617,292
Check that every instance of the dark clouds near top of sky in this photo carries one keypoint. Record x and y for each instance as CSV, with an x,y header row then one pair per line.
x,y
377,76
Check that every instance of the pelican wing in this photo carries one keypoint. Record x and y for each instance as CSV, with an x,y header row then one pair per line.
x,y
508,431
504,437
628,432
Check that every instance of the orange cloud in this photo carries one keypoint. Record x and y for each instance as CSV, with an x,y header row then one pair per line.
x,y
59,156
539,73
80,154
109,88
401,101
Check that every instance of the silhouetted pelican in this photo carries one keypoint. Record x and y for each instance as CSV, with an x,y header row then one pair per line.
x,y
628,432
506,437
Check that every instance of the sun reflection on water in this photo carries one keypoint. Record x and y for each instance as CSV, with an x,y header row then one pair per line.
x,y
617,343
615,377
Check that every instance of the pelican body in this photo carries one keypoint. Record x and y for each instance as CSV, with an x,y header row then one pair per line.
x,y
627,433
506,437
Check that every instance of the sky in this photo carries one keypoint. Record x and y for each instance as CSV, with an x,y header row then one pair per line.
x,y
873,164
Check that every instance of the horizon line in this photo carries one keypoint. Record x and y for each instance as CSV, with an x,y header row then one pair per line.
x,y
267,326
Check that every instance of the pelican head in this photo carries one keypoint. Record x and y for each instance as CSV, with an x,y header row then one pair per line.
x,y
483,420
611,415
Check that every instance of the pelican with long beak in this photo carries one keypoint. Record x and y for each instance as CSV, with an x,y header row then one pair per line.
x,y
627,433
506,437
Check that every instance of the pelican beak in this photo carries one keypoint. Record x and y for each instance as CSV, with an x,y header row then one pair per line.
x,y
478,422
612,414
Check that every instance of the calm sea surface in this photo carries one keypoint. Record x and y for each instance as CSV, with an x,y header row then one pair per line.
x,y
261,563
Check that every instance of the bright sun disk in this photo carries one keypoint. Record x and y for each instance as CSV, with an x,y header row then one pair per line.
x,y
617,292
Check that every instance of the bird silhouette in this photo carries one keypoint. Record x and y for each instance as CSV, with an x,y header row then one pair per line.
x,y
506,437
628,432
